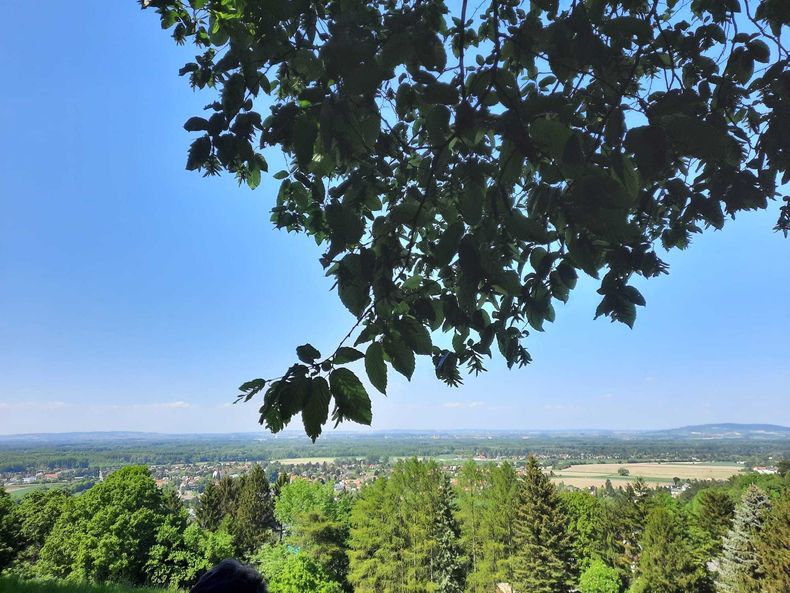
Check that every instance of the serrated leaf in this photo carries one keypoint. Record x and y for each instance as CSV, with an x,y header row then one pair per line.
x,y
344,223
345,355
375,367
415,335
352,402
199,151
307,353
250,389
401,355
304,134
316,407
447,246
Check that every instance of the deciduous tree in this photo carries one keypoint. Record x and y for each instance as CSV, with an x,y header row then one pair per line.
x,y
462,168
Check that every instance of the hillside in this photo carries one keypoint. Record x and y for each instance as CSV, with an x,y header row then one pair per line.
x,y
725,431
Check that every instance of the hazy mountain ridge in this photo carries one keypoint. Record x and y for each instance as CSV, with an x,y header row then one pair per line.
x,y
724,430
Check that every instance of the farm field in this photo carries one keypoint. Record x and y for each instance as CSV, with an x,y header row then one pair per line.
x,y
655,474
21,490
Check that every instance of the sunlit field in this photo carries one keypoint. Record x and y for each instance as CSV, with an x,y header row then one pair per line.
x,y
655,474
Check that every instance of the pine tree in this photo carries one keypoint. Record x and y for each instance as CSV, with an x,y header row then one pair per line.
x,y
449,571
209,511
666,564
773,550
254,515
739,570
543,562
715,516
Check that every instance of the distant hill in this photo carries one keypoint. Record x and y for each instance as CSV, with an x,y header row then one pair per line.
x,y
724,431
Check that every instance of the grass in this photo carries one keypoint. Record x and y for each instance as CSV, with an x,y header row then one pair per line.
x,y
13,585
20,491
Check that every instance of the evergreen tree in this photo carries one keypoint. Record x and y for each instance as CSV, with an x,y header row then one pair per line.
x,y
377,541
739,570
209,511
228,492
472,490
449,572
666,563
325,541
715,514
773,549
543,562
254,516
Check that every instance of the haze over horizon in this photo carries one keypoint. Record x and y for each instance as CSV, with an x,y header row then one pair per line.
x,y
137,295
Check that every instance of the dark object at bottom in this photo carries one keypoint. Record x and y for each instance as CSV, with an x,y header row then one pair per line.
x,y
230,576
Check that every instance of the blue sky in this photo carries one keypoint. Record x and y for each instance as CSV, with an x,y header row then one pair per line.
x,y
135,295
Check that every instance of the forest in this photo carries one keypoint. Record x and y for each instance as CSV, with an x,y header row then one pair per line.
x,y
494,527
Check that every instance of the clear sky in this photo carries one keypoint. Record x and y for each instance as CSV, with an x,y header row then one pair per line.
x,y
135,295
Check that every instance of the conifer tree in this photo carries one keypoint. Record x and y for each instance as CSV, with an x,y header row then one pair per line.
x,y
543,558
209,511
739,570
254,515
666,564
449,569
715,516
773,550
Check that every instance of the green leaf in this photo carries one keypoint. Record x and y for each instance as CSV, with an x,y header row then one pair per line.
x,y
199,151
352,402
415,335
254,178
250,389
196,124
345,224
233,94
304,134
354,292
447,246
307,353
401,355
440,92
437,123
345,355
701,139
550,135
316,407
527,229
471,204
375,367
759,51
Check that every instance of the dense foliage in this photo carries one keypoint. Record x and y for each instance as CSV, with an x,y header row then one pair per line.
x,y
413,531
463,164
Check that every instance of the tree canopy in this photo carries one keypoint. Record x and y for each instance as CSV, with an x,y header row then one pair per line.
x,y
462,163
